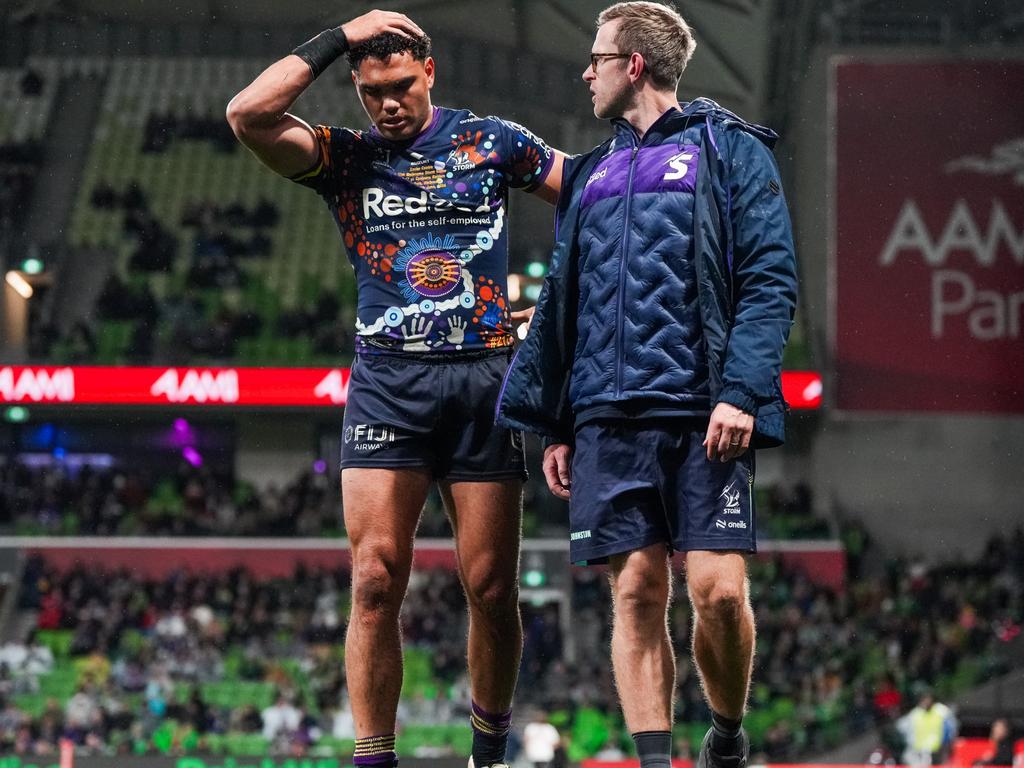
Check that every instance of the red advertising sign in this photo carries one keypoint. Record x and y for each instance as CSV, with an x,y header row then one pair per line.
x,y
928,239
302,387
87,385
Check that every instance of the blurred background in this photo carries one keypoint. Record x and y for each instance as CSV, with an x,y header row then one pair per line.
x,y
175,335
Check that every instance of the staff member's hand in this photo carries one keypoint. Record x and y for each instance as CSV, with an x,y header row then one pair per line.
x,y
729,433
557,469
524,316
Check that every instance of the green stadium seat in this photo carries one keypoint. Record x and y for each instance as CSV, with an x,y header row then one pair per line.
x,y
57,640
33,704
329,746
245,745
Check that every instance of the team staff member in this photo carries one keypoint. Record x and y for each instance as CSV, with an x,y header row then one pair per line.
x,y
419,200
653,362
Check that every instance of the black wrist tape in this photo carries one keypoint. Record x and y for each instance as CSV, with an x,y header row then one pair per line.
x,y
320,51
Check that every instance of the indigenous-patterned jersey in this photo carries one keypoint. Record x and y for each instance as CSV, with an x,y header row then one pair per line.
x,y
425,226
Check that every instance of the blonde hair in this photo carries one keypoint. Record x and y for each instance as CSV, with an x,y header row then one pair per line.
x,y
658,33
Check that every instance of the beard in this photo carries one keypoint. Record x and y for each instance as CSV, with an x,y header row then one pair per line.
x,y
617,103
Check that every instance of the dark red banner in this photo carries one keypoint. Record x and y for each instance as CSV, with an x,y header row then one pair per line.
x,y
823,562
928,240
305,387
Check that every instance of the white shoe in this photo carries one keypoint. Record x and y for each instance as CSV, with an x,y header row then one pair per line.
x,y
492,765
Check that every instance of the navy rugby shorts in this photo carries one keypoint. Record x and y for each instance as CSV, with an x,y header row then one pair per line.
x,y
435,412
637,483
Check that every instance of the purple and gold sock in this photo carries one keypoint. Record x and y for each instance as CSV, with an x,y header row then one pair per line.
x,y
375,752
490,736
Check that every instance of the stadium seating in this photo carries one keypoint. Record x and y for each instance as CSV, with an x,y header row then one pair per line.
x,y
22,130
29,121
811,690
305,255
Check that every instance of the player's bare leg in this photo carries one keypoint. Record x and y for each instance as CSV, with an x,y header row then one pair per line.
x,y
642,656
723,647
487,518
382,510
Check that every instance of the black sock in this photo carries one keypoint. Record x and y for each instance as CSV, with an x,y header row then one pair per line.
x,y
654,748
725,734
490,736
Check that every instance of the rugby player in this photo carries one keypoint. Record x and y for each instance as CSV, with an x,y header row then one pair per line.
x,y
419,200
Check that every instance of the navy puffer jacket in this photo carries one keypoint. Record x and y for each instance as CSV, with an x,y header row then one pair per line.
x,y
639,330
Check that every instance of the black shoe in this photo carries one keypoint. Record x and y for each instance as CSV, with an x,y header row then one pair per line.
x,y
708,758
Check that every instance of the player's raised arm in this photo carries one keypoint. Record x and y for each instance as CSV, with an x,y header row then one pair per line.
x,y
551,186
258,114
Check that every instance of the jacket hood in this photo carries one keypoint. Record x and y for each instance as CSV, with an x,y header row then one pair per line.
x,y
699,109
711,111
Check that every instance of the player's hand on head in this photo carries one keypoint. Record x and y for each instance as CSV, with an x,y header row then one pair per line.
x,y
729,433
558,469
376,22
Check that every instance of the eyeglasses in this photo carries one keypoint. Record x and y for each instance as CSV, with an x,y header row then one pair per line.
x,y
595,58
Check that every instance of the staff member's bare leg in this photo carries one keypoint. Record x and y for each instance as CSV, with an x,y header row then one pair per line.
x,y
382,509
723,639
486,517
642,657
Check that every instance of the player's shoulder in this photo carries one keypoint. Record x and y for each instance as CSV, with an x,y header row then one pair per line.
x,y
351,135
515,133
466,119
340,137
458,121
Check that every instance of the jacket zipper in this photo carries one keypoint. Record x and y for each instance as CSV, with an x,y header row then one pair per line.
x,y
622,273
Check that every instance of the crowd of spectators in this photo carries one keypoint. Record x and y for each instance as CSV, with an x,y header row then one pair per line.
x,y
202,315
830,665
193,501
201,501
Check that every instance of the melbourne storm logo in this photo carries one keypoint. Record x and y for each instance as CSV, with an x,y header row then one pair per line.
x,y
732,500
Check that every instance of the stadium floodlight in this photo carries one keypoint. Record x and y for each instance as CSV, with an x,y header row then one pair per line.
x,y
32,266
19,284
536,269
16,414
532,292
534,578
192,456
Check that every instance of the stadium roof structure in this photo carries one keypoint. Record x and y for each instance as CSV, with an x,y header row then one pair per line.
x,y
731,63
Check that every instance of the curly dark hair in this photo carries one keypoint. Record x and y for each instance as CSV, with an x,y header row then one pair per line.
x,y
386,43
